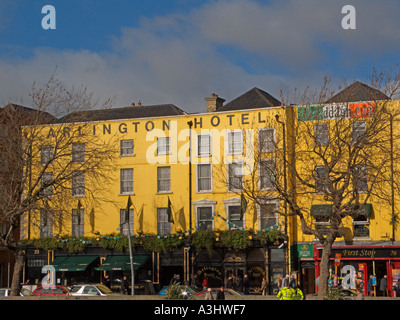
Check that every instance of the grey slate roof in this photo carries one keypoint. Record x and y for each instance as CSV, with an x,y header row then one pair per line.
x,y
42,116
131,112
252,99
358,91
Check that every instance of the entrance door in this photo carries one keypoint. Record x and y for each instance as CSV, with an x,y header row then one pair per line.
x,y
234,272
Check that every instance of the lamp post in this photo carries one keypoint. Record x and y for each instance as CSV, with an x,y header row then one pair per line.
x,y
130,256
287,266
190,123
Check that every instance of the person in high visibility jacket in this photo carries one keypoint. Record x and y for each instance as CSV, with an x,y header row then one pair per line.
x,y
285,294
297,294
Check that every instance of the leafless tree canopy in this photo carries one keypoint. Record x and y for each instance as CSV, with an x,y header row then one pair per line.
x,y
46,162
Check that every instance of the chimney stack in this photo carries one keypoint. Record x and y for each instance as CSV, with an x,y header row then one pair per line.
x,y
214,103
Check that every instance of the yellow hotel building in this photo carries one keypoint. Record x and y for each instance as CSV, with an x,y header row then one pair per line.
x,y
187,181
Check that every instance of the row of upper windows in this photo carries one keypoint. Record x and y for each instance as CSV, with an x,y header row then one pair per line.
x,y
266,138
204,177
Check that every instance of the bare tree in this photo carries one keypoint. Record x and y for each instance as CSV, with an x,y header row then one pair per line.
x,y
52,168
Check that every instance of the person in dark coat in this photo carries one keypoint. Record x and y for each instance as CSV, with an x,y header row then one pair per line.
x,y
246,284
106,281
220,294
124,286
239,286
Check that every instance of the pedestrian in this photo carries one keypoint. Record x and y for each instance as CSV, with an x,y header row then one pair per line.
x,y
383,286
197,282
285,281
205,283
124,285
209,295
239,286
106,281
229,282
370,286
297,293
246,283
292,283
285,294
220,294
264,286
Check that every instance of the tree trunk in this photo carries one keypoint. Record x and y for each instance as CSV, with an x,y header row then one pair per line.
x,y
324,274
16,278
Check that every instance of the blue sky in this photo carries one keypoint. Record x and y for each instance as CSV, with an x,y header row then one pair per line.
x,y
180,51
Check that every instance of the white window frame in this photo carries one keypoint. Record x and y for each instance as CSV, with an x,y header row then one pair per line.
x,y
78,183
46,223
268,201
78,153
122,222
78,227
208,151
46,178
361,176
163,145
261,166
46,155
231,149
204,203
319,181
232,202
358,129
362,223
125,181
127,151
159,179
163,225
198,178
228,169
266,145
321,134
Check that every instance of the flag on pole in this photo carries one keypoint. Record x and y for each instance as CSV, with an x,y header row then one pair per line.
x,y
140,220
128,206
243,206
169,212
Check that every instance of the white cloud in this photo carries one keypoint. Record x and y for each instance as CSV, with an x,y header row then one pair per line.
x,y
179,59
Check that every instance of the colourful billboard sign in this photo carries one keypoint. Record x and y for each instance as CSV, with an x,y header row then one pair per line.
x,y
336,111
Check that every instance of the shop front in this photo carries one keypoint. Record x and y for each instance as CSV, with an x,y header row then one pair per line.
x,y
353,266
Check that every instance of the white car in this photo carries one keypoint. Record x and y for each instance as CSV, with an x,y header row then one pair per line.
x,y
4,292
89,290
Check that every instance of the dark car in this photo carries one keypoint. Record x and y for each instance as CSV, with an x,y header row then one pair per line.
x,y
51,291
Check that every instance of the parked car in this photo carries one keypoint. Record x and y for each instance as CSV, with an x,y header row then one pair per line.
x,y
51,291
187,291
4,292
90,290
227,292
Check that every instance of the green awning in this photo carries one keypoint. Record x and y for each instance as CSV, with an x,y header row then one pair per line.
x,y
76,263
114,263
326,210
318,210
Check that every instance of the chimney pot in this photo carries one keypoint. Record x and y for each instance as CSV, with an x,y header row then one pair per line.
x,y
214,102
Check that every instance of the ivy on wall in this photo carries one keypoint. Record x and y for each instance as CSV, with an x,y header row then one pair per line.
x,y
237,238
